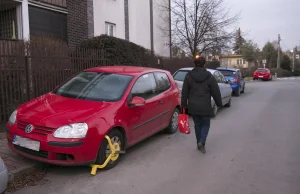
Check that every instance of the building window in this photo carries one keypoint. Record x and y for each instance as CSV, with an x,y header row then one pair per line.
x,y
110,29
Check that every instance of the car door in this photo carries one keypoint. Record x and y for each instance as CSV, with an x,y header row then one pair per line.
x,y
220,83
227,90
241,80
163,90
146,117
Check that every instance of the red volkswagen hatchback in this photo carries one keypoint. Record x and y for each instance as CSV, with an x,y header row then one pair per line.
x,y
67,126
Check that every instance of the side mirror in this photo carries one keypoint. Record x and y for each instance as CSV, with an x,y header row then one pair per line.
x,y
137,101
227,81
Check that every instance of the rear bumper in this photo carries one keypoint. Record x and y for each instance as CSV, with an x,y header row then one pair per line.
x,y
262,77
234,87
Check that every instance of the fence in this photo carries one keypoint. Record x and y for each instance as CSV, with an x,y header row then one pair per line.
x,y
30,70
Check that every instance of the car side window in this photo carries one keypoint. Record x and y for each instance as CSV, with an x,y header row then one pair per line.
x,y
217,77
145,86
222,77
163,82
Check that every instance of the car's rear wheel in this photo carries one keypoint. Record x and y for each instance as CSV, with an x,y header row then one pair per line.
x,y
173,126
228,104
243,91
238,92
116,137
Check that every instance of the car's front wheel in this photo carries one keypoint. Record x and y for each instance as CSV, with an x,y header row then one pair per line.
x,y
173,126
116,137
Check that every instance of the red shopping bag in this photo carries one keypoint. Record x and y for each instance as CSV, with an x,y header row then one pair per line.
x,y
183,123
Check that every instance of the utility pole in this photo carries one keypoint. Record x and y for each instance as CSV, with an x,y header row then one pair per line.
x,y
278,55
293,69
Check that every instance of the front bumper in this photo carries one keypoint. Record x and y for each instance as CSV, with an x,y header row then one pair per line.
x,y
66,152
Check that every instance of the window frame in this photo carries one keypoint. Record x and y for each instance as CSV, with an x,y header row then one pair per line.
x,y
107,28
130,93
156,79
222,77
216,74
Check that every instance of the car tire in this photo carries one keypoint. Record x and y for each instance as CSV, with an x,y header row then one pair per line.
x,y
238,92
228,104
243,91
173,125
116,136
215,110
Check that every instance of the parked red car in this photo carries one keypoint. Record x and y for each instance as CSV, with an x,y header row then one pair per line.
x,y
67,126
263,74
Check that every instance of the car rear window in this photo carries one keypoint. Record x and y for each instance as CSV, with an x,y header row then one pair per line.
x,y
180,75
95,86
228,73
261,70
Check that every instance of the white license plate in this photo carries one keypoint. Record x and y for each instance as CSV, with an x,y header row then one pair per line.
x,y
26,143
260,76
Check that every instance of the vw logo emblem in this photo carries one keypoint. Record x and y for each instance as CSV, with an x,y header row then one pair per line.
x,y
28,128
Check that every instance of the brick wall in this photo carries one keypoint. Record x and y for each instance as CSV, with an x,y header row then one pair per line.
x,y
80,21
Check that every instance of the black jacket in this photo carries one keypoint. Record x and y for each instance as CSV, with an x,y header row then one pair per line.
x,y
198,87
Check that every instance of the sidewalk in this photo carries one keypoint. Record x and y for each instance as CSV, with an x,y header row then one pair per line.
x,y
16,164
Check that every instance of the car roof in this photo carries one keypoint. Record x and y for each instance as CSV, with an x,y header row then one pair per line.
x,y
212,71
128,70
228,68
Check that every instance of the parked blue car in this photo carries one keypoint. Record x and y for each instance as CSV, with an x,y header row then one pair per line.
x,y
236,79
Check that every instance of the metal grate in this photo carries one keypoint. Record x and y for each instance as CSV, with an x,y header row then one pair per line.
x,y
40,130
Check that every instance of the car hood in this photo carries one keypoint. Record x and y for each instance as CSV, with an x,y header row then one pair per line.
x,y
54,111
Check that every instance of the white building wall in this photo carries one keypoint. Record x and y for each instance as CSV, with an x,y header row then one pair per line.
x,y
161,28
139,22
111,11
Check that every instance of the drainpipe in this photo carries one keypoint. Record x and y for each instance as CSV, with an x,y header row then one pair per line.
x,y
151,27
25,20
170,28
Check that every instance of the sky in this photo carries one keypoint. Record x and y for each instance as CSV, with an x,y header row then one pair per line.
x,y
263,20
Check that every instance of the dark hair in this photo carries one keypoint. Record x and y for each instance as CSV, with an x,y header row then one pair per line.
x,y
199,61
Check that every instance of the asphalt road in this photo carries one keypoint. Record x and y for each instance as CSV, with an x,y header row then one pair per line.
x,y
253,148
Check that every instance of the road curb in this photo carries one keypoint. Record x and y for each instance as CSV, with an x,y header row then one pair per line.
x,y
22,170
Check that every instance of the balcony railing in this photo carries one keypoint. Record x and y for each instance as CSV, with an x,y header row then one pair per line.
x,y
60,3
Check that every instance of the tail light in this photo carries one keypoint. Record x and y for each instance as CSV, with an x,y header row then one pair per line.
x,y
235,80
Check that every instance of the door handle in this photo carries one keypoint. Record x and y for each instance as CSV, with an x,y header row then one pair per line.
x,y
160,102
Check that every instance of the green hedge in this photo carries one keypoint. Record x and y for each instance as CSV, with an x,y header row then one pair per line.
x,y
281,72
120,52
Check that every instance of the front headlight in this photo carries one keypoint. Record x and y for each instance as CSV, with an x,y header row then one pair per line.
x,y
13,117
76,130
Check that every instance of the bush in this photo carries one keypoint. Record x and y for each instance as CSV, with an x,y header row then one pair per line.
x,y
297,72
281,72
120,52
212,64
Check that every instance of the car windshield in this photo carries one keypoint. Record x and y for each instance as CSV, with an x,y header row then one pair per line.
x,y
228,73
261,70
95,86
180,75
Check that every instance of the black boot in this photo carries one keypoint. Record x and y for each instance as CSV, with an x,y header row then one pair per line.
x,y
201,148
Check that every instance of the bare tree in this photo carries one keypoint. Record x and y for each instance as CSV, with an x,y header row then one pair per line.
x,y
201,26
